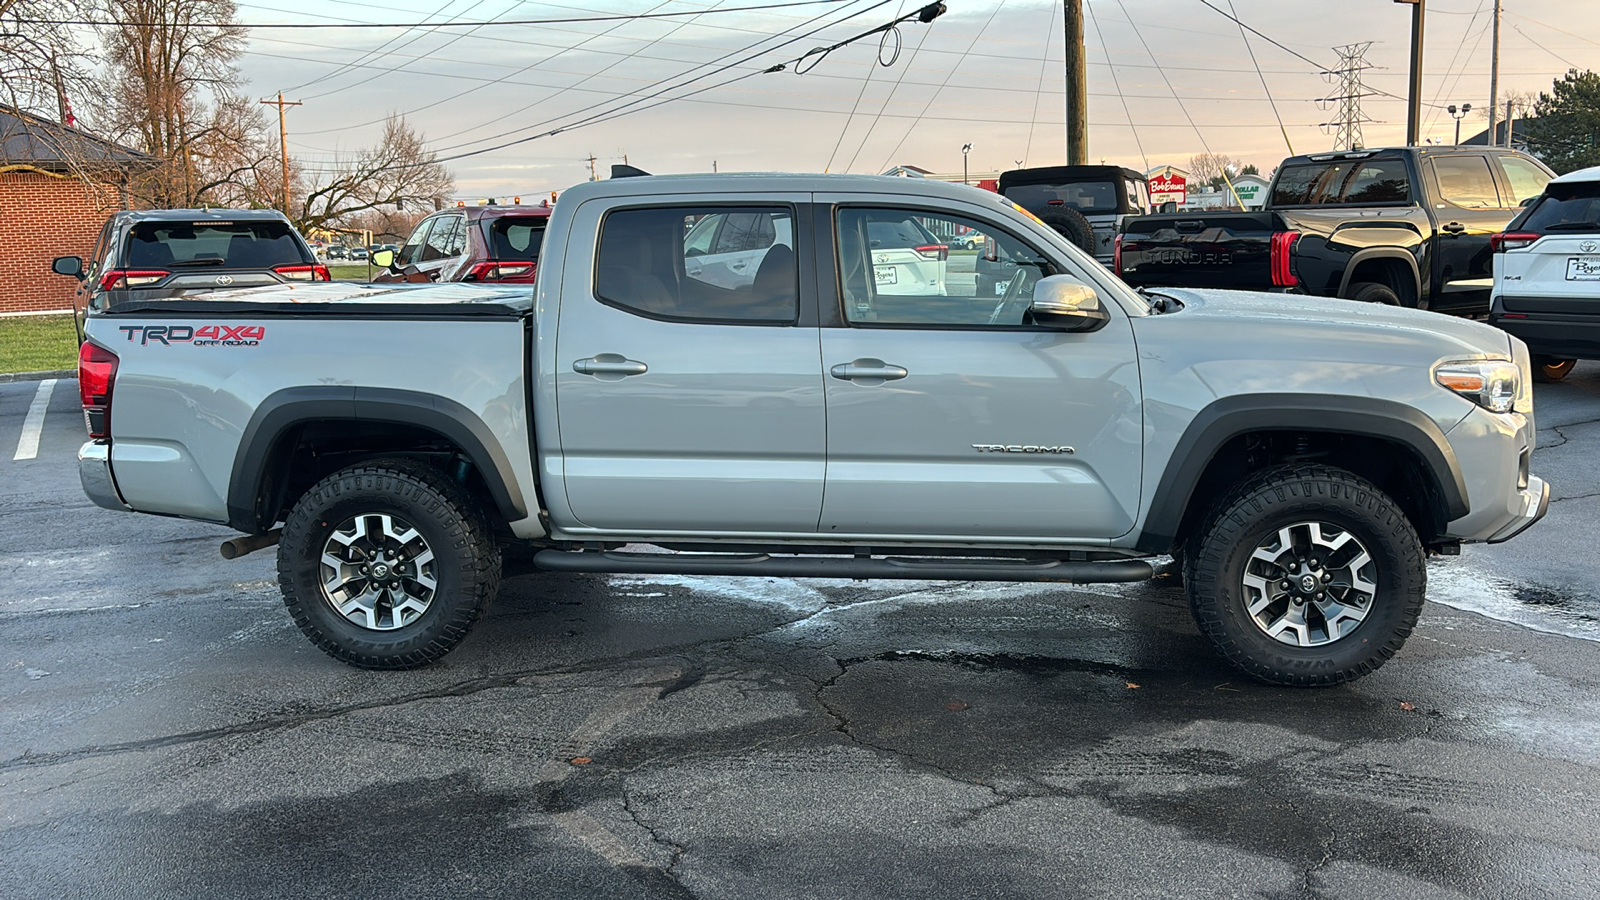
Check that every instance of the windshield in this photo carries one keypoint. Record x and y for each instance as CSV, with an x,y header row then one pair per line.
x,y
1567,207
517,237
230,245
1084,196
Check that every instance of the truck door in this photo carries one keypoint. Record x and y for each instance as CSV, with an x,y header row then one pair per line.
x,y
1467,208
685,404
948,415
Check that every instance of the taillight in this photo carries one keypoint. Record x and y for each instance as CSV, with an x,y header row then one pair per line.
x,y
1116,255
515,272
121,279
1282,243
97,369
1500,243
938,252
304,273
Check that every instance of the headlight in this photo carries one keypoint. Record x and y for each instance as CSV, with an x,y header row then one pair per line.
x,y
1491,383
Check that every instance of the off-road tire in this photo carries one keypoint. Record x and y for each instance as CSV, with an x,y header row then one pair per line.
x,y
1549,370
1071,224
1373,292
466,561
1272,499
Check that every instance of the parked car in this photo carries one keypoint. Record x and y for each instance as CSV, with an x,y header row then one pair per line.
x,y
336,251
1301,457
1547,275
144,254
358,253
1087,204
472,243
1407,226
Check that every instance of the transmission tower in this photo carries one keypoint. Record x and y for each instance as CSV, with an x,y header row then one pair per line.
x,y
1346,127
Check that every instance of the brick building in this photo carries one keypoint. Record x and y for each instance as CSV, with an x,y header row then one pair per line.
x,y
57,185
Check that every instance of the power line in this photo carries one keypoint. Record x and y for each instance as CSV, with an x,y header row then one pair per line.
x,y
1117,82
872,70
926,106
1038,91
303,26
1264,88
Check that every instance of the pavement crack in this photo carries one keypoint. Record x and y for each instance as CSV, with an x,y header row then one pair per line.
x,y
1556,500
674,849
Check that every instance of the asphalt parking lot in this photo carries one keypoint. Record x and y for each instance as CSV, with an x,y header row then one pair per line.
x,y
168,732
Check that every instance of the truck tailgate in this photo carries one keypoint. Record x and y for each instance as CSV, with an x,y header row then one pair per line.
x,y
1203,250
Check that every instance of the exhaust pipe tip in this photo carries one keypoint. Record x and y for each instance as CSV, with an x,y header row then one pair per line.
x,y
250,543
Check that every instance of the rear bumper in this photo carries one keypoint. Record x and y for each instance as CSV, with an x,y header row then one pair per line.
x,y
1552,334
94,471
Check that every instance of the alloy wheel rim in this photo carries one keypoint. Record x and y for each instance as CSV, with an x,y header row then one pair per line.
x,y
1309,584
377,572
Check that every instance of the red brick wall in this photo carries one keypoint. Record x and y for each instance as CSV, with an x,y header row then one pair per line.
x,y
42,217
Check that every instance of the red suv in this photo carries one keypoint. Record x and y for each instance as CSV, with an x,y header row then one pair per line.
x,y
472,243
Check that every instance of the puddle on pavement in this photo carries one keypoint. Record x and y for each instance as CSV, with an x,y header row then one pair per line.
x,y
1553,610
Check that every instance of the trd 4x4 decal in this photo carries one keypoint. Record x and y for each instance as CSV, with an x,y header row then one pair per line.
x,y
204,336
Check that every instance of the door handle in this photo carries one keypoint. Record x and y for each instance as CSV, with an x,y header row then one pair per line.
x,y
868,371
1454,228
609,364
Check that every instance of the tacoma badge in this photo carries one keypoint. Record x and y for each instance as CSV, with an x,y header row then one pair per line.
x,y
1020,448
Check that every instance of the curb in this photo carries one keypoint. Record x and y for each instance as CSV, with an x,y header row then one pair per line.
x,y
8,377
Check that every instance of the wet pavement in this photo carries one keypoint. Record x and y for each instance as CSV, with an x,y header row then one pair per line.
x,y
169,733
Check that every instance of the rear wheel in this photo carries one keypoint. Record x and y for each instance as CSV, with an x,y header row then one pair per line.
x,y
1306,576
1547,369
387,565
1373,292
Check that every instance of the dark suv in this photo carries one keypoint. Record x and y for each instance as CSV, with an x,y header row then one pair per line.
x,y
472,243
159,253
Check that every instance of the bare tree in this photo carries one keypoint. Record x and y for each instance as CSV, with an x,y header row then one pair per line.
x,y
400,173
171,88
42,66
1207,168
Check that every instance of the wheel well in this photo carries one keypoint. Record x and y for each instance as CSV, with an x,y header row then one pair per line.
x,y
310,451
1393,467
1389,272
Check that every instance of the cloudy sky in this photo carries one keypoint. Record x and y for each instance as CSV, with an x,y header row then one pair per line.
x,y
1167,79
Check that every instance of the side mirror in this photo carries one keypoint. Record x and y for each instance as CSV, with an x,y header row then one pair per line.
x,y
1060,302
1171,206
1527,202
991,250
67,265
384,259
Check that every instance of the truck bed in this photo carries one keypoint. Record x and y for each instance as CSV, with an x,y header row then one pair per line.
x,y
345,298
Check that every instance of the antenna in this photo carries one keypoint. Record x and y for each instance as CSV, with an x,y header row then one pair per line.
x,y
1346,127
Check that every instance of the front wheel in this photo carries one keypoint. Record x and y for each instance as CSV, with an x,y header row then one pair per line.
x,y
1549,370
1307,576
387,564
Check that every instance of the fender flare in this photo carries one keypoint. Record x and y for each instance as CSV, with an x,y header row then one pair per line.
x,y
1361,256
1230,417
284,410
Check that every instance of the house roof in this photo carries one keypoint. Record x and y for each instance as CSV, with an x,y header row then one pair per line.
x,y
27,139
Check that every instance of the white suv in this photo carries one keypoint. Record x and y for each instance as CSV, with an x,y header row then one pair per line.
x,y
1547,275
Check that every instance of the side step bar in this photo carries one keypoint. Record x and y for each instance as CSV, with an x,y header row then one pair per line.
x,y
1061,570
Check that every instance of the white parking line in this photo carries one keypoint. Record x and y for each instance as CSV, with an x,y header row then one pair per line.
x,y
33,425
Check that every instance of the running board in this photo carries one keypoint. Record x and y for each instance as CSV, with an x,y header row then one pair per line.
x,y
1118,570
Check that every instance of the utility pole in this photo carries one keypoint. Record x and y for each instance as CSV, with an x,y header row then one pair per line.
x,y
1510,121
1077,87
283,144
1494,82
591,161
1414,96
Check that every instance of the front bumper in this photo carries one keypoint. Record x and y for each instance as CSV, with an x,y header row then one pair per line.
x,y
94,471
1535,503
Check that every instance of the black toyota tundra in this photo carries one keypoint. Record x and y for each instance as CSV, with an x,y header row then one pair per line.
x,y
1406,226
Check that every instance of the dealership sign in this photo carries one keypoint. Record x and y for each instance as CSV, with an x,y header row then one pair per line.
x,y
1168,187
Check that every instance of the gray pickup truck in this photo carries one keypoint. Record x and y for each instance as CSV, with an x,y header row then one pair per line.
x,y
812,385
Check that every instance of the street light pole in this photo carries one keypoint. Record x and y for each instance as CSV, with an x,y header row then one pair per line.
x,y
1458,116
965,149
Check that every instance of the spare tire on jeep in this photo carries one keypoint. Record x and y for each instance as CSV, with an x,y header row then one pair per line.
x,y
1070,224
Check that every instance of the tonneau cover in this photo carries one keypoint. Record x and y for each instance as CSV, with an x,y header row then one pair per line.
x,y
349,298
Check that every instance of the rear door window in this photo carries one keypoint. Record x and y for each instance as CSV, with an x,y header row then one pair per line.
x,y
651,264
1378,181
227,245
1526,179
1466,181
